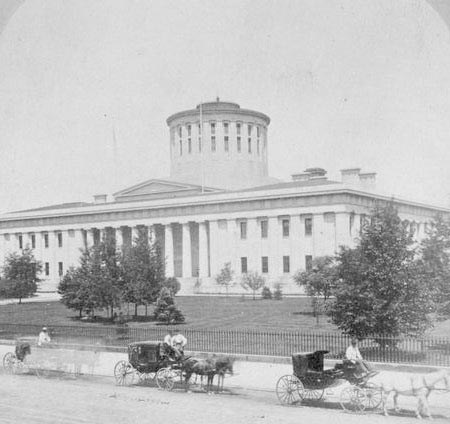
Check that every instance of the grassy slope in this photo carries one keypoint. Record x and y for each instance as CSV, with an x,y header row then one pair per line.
x,y
201,313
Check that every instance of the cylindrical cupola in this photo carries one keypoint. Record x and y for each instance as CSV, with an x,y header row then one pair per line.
x,y
218,144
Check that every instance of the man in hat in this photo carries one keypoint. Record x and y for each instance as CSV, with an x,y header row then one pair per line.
x,y
44,337
354,355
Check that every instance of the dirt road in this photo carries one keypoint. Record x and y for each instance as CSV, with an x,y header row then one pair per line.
x,y
27,399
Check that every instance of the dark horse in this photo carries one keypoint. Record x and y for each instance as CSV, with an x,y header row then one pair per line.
x,y
202,367
22,349
223,365
208,367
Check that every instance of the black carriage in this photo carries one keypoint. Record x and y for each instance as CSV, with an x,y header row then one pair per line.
x,y
148,360
310,380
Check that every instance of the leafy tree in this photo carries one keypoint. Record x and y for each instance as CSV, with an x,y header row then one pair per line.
x,y
380,289
143,272
20,275
319,281
435,260
253,281
166,310
278,293
266,293
225,276
71,290
172,284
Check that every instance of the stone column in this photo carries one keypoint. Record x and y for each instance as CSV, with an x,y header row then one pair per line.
x,y
119,238
274,238
317,229
76,247
203,260
186,249
168,246
134,234
151,233
343,237
2,249
89,238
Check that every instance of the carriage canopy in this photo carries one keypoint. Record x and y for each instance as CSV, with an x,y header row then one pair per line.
x,y
305,362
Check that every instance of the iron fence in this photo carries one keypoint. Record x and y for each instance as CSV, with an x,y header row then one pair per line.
x,y
426,350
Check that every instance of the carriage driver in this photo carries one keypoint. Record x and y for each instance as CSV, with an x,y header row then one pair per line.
x,y
44,337
354,355
178,344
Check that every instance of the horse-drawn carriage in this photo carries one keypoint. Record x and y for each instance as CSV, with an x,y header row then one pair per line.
x,y
150,360
310,380
46,361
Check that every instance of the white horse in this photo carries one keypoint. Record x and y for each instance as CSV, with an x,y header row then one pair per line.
x,y
418,385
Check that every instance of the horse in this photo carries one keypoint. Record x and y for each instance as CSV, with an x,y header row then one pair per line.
x,y
202,367
223,365
418,385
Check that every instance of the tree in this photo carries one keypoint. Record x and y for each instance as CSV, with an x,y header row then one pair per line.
x,y
435,260
166,310
20,273
96,282
172,284
225,276
380,289
319,281
143,272
253,281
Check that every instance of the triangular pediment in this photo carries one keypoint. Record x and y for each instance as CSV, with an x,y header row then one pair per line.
x,y
157,188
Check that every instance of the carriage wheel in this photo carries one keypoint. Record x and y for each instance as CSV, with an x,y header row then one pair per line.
x,y
288,389
123,373
165,379
312,394
353,399
374,396
10,363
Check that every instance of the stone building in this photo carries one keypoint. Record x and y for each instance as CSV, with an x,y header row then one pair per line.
x,y
218,205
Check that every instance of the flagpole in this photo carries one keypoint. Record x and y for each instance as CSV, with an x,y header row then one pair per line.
x,y
202,148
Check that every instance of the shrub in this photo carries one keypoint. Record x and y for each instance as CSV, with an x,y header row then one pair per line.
x,y
277,294
166,310
266,293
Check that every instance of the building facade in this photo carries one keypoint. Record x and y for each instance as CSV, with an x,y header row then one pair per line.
x,y
218,205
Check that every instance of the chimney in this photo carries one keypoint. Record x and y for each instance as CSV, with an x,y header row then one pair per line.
x,y
368,180
350,176
100,198
316,173
300,177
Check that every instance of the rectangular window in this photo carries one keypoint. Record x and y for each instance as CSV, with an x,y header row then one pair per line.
x,y
264,228
60,269
239,144
308,262
226,143
47,269
181,148
243,226
33,241
285,224
46,240
189,130
60,240
20,238
286,264
213,128
189,146
213,143
308,226
264,264
249,145
243,265
225,128
249,128
179,132
238,128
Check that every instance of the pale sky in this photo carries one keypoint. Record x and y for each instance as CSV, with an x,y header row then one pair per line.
x,y
346,84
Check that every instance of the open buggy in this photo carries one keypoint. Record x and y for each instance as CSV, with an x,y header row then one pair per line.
x,y
149,360
310,380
